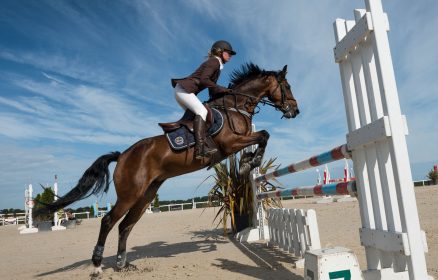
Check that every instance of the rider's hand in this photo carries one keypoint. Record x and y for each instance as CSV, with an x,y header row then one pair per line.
x,y
224,90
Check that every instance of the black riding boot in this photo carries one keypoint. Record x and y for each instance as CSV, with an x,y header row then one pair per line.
x,y
201,149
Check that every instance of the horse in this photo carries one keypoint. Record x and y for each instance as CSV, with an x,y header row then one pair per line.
x,y
142,168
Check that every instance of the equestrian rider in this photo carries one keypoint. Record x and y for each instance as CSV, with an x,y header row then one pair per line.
x,y
205,76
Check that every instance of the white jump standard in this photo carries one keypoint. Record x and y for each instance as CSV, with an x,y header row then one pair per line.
x,y
56,219
29,228
394,244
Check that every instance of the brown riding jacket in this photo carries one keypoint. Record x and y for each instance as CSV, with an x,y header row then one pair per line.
x,y
205,76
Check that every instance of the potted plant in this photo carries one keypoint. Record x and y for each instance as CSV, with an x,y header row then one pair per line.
x,y
234,192
433,176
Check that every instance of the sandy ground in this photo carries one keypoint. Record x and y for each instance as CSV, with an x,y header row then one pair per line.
x,y
186,245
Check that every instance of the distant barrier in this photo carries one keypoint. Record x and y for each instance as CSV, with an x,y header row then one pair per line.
x,y
183,206
80,214
12,219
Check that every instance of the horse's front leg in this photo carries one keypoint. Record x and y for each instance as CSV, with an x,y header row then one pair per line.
x,y
261,138
256,160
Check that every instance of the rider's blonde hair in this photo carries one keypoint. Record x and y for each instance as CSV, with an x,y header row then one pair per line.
x,y
214,52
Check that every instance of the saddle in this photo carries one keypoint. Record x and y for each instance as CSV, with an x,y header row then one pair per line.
x,y
187,121
179,134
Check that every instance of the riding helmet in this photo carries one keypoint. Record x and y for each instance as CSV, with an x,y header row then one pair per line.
x,y
221,46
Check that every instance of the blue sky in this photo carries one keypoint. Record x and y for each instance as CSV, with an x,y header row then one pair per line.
x,y
82,78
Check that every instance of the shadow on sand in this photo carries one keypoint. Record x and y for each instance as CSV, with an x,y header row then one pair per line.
x,y
209,242
269,263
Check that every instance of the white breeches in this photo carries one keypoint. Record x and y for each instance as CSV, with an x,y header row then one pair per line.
x,y
190,101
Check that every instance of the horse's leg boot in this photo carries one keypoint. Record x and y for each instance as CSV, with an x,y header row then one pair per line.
x,y
201,149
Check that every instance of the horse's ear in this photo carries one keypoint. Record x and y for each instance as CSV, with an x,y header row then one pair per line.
x,y
283,72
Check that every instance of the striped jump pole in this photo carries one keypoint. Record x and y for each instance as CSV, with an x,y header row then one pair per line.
x,y
327,157
343,188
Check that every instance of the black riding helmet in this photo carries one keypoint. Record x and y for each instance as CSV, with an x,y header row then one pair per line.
x,y
221,46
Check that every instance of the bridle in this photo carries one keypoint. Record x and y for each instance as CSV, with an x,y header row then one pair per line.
x,y
283,106
245,111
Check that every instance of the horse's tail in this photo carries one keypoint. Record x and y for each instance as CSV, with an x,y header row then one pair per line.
x,y
96,175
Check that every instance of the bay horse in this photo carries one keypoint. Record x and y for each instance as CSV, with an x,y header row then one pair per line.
x,y
143,167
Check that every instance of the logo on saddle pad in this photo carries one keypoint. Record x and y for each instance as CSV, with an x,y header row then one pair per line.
x,y
183,138
179,140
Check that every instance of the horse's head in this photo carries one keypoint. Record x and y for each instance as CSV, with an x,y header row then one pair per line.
x,y
252,85
280,95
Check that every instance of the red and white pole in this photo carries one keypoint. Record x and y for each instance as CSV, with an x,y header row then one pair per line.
x,y
346,174
327,176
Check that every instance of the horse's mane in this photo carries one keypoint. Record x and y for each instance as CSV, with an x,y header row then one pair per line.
x,y
247,71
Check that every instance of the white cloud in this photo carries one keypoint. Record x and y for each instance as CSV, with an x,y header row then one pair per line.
x,y
71,67
70,112
16,105
101,78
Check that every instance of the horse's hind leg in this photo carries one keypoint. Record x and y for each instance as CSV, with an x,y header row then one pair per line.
x,y
132,218
107,223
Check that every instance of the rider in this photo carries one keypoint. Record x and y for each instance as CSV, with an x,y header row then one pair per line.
x,y
205,76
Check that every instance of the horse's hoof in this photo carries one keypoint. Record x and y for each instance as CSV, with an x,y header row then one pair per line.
x,y
121,260
96,258
244,169
97,272
257,162
246,157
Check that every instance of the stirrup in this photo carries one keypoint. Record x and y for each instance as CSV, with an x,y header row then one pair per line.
x,y
205,153
209,151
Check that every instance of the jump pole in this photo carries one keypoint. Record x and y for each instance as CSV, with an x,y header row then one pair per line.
x,y
342,188
335,154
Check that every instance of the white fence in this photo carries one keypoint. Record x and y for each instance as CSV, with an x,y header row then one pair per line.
x,y
293,230
12,219
184,206
87,213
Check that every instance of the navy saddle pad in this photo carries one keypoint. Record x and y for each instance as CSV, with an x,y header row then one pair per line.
x,y
183,138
